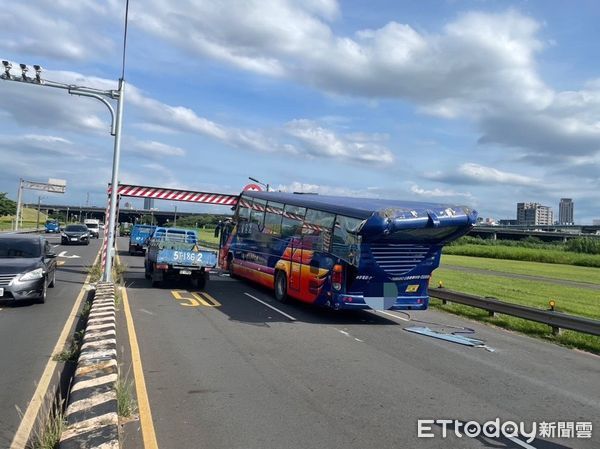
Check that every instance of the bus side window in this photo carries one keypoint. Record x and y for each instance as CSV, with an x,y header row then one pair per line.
x,y
316,232
291,224
243,216
273,216
346,241
257,214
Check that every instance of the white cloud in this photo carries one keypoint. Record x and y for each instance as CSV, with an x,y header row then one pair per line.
x,y
319,141
437,193
303,187
472,173
58,29
158,149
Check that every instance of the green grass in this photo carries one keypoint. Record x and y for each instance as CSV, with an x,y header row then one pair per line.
x,y
555,271
569,300
72,351
50,424
29,219
555,256
207,236
126,404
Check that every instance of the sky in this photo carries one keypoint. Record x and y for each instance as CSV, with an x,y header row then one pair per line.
x,y
482,103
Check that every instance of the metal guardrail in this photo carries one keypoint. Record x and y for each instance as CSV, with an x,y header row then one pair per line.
x,y
556,320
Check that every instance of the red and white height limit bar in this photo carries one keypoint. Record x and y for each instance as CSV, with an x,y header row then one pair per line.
x,y
158,193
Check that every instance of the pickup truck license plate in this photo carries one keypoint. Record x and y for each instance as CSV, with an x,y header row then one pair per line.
x,y
185,272
2,291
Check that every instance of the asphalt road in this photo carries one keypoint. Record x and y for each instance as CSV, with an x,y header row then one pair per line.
x,y
29,332
226,371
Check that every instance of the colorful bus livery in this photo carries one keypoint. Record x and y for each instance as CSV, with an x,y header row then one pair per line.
x,y
340,252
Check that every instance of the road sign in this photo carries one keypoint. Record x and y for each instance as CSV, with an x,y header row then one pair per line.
x,y
253,188
47,187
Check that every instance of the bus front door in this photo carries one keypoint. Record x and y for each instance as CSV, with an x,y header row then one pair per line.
x,y
295,266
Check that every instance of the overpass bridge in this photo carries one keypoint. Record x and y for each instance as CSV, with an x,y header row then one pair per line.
x,y
125,215
545,233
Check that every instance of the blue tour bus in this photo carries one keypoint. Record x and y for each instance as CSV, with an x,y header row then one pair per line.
x,y
341,252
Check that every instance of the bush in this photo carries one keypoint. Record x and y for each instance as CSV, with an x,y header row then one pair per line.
x,y
586,245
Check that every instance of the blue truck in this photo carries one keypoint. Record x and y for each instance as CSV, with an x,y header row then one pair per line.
x,y
173,253
138,238
52,226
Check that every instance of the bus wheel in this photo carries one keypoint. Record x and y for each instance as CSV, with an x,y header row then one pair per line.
x,y
281,287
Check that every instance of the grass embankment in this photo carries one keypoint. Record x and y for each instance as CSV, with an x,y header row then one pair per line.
x,y
555,271
554,256
29,220
207,237
571,300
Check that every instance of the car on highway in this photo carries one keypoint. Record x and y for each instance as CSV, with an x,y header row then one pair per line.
x,y
94,226
27,267
52,226
75,234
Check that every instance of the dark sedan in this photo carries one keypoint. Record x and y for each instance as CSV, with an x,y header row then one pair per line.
x,y
75,234
27,267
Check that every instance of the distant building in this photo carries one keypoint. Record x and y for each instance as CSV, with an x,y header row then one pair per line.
x,y
596,222
534,214
148,203
507,222
565,211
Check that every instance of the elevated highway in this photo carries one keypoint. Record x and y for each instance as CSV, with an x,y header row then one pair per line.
x,y
545,233
125,215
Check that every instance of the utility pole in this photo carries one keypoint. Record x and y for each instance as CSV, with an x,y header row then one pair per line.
x,y
37,224
19,199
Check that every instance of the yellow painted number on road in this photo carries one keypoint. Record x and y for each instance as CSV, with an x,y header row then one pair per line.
x,y
194,299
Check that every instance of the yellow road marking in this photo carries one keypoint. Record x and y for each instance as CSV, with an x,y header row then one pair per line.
x,y
24,430
200,299
195,299
192,302
214,302
148,433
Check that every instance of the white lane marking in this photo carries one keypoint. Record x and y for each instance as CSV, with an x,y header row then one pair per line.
x,y
64,254
290,317
392,315
148,312
347,334
520,443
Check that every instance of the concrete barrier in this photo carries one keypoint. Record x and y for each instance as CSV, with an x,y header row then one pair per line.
x,y
92,418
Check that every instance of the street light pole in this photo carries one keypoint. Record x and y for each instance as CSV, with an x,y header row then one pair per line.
x,y
175,217
258,182
107,276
